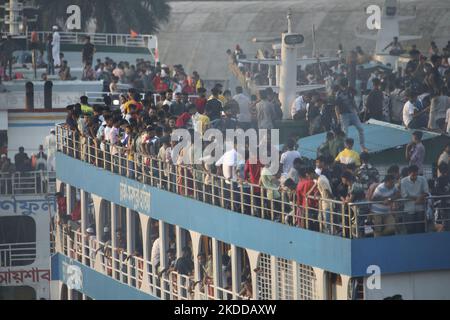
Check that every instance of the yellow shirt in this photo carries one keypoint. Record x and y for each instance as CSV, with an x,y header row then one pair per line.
x,y
221,98
126,106
348,156
201,123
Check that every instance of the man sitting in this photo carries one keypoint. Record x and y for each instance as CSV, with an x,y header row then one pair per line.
x,y
348,156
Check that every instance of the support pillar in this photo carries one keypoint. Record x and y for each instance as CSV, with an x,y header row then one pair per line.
x,y
217,266
84,214
235,270
321,284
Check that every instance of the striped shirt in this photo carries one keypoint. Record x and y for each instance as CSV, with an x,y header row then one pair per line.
x,y
382,193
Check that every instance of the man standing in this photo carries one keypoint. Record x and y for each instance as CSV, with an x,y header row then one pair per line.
x,y
415,189
244,116
374,103
50,60
346,111
384,195
348,155
410,110
288,157
214,107
415,151
56,47
300,106
50,145
21,159
8,49
88,52
264,112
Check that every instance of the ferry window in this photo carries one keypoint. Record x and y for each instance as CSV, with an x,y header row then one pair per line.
x,y
17,293
17,241
3,141
17,229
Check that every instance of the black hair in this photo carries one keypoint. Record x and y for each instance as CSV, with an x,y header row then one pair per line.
x,y
413,168
418,135
364,156
348,176
349,142
84,99
443,168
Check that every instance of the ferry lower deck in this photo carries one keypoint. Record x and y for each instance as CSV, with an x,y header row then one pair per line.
x,y
233,253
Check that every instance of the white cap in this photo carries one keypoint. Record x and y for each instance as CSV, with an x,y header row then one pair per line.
x,y
90,230
52,130
3,155
105,229
55,28
164,66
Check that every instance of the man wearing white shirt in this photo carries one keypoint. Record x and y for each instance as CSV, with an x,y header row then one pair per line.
x,y
56,47
409,109
447,120
324,187
155,255
300,106
229,162
244,116
50,145
288,157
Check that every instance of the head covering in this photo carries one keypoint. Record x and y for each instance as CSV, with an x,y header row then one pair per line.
x,y
3,155
52,130
105,229
90,230
55,28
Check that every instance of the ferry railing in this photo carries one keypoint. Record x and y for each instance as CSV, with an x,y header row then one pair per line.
x,y
131,269
32,182
98,97
281,205
107,39
400,216
212,292
17,254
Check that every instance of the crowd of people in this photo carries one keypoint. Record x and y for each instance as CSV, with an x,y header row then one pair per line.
x,y
415,95
42,160
140,129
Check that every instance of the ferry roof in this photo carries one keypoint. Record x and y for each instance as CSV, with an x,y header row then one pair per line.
x,y
379,136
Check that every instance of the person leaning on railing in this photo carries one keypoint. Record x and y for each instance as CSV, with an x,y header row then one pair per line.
x,y
442,191
415,189
382,209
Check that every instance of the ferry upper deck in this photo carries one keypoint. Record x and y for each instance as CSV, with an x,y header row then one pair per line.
x,y
242,243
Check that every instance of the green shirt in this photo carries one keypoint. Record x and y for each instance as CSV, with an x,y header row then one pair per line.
x,y
87,109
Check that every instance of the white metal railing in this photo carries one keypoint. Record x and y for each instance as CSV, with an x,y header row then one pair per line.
x,y
17,254
133,270
97,97
33,182
350,220
107,39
